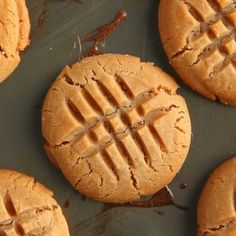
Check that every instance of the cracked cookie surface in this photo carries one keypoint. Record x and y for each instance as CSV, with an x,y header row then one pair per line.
x,y
199,37
116,127
14,34
217,204
27,208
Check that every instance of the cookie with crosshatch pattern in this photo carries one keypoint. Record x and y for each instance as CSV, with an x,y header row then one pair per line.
x,y
199,39
116,127
27,207
217,204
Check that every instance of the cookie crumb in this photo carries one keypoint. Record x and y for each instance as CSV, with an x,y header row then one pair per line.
x,y
183,186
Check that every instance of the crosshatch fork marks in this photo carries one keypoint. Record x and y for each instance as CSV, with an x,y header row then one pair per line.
x,y
204,28
204,25
216,45
134,103
14,221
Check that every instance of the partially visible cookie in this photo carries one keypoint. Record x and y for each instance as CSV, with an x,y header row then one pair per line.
x,y
27,207
199,39
14,34
116,127
217,204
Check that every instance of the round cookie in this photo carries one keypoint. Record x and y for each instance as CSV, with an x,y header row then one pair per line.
x,y
27,207
14,34
116,127
199,39
216,207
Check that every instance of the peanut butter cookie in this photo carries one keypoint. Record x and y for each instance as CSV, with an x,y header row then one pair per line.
x,y
116,127
199,39
27,207
216,207
14,34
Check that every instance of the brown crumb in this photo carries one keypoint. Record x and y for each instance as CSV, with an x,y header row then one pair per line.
x,y
67,204
183,186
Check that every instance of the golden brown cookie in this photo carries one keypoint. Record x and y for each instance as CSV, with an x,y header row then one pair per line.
x,y
199,39
27,207
14,34
217,204
116,127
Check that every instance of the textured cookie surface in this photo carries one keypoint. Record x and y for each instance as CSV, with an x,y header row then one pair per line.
x,y
116,127
14,34
199,39
27,208
217,204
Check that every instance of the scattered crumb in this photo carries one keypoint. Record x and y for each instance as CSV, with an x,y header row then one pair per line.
x,y
67,204
183,186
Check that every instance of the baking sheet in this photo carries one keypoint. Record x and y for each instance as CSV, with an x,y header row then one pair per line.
x,y
54,44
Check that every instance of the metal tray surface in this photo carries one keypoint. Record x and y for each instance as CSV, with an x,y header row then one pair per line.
x,y
21,97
